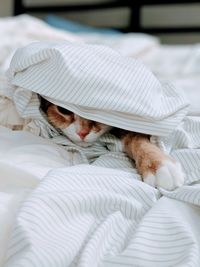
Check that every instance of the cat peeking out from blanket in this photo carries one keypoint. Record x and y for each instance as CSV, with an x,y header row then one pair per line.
x,y
156,168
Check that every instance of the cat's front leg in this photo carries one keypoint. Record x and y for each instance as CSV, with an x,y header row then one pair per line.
x,y
155,167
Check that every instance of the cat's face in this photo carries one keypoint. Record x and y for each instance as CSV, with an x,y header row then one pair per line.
x,y
80,131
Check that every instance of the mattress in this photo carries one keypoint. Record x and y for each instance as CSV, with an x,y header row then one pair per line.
x,y
56,210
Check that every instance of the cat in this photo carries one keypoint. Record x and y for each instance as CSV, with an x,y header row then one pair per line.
x,y
155,167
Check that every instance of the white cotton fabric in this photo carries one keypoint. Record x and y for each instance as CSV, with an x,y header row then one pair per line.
x,y
97,83
129,44
12,37
101,214
180,65
90,215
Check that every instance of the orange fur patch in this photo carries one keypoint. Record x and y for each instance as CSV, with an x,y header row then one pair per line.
x,y
58,119
148,157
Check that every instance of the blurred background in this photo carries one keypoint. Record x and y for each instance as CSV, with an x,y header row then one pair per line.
x,y
184,14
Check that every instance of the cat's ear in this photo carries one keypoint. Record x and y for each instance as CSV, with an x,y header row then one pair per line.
x,y
44,104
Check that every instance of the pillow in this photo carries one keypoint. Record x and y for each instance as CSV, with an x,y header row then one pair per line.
x,y
95,82
76,27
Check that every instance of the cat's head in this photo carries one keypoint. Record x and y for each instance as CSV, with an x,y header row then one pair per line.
x,y
80,131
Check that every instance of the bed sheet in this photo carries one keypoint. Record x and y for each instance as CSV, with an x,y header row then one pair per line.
x,y
180,65
87,215
176,63
120,221
22,167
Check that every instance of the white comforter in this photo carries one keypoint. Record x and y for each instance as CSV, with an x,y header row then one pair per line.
x,y
93,215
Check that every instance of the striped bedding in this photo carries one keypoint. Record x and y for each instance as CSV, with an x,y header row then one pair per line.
x,y
93,209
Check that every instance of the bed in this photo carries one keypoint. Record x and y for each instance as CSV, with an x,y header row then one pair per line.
x,y
58,210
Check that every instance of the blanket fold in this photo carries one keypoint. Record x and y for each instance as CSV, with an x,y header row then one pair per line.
x,y
97,83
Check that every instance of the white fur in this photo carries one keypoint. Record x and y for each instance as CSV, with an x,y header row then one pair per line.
x,y
72,133
169,176
150,179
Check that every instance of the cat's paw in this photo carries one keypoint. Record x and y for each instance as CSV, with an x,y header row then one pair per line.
x,y
168,176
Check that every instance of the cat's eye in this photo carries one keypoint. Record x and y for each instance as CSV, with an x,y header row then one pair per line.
x,y
64,111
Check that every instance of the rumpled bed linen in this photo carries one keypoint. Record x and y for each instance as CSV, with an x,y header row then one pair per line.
x,y
89,215
100,214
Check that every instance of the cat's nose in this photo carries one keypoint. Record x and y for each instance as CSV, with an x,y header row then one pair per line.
x,y
83,134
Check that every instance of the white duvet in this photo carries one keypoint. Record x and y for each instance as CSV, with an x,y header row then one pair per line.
x,y
53,213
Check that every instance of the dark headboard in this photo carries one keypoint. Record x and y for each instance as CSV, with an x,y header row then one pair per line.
x,y
135,7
